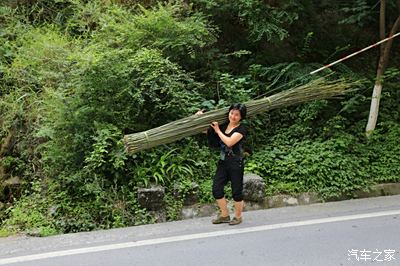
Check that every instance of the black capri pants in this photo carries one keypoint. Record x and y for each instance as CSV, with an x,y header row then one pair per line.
x,y
231,169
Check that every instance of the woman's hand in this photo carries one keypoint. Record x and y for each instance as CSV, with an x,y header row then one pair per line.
x,y
215,126
200,112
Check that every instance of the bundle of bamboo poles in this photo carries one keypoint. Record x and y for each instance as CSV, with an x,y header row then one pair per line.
x,y
318,89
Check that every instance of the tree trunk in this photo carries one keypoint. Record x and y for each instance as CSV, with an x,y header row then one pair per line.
x,y
374,110
383,60
382,25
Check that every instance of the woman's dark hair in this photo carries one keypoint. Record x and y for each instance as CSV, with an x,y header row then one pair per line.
x,y
241,108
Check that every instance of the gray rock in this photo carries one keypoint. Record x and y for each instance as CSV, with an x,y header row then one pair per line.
x,y
372,192
189,212
37,232
206,210
151,198
253,188
291,201
281,201
308,198
389,188
378,190
159,216
253,206
191,196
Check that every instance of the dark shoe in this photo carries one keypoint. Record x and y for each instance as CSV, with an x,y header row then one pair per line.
x,y
221,219
235,221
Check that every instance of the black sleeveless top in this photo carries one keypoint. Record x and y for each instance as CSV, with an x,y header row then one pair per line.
x,y
215,141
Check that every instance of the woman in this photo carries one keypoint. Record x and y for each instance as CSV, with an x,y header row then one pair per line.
x,y
230,137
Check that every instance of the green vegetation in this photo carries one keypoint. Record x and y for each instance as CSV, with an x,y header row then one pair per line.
x,y
77,75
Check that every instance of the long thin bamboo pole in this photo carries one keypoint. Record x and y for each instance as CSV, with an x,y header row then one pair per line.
x,y
355,53
194,124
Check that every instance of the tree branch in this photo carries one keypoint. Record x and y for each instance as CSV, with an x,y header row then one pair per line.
x,y
382,29
385,56
398,6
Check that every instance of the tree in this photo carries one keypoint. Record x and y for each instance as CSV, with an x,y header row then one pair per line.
x,y
383,61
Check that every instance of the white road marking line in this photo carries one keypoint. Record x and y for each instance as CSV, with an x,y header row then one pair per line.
x,y
194,236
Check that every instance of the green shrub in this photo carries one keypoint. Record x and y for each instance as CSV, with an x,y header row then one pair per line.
x,y
31,213
131,91
42,60
171,28
99,207
329,167
383,153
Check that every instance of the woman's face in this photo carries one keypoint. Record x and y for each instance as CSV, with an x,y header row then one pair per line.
x,y
234,116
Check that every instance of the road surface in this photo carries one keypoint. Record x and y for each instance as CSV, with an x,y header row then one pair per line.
x,y
353,232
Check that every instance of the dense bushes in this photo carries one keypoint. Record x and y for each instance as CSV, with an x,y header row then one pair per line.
x,y
67,104
329,167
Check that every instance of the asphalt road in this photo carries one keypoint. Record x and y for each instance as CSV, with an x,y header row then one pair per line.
x,y
354,232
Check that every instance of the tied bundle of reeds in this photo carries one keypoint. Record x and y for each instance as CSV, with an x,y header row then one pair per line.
x,y
315,90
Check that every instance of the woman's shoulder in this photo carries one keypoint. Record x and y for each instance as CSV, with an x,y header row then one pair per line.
x,y
242,129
